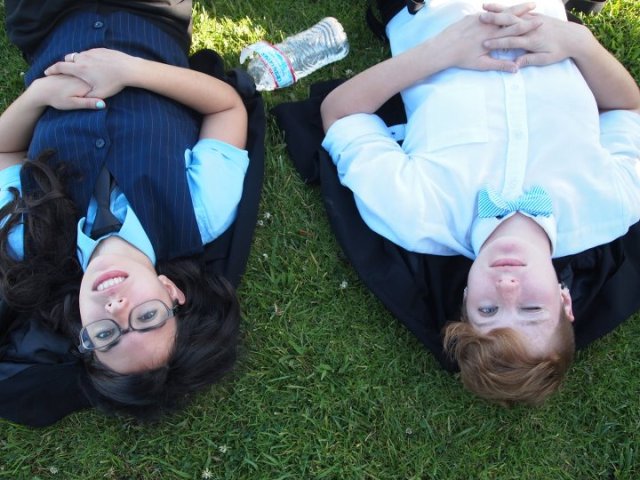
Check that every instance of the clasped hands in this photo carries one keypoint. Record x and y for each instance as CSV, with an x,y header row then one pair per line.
x,y
85,80
544,39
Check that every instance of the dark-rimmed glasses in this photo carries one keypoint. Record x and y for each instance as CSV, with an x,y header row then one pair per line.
x,y
103,334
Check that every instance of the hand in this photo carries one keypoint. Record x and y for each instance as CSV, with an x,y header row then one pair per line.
x,y
553,41
105,70
64,92
466,39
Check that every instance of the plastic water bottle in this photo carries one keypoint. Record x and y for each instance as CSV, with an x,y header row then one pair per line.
x,y
281,65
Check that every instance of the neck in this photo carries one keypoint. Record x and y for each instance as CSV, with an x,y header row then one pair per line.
x,y
118,246
519,225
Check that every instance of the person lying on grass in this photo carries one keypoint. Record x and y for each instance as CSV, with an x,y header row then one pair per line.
x,y
110,96
522,144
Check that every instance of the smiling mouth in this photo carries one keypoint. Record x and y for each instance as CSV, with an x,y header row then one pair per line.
x,y
108,280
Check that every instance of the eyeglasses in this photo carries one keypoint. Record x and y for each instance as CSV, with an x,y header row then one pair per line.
x,y
104,334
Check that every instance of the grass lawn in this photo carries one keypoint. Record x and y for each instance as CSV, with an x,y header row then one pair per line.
x,y
329,385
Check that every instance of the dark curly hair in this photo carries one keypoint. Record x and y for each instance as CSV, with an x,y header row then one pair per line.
x,y
47,282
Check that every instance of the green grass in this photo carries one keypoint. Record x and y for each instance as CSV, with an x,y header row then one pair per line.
x,y
329,385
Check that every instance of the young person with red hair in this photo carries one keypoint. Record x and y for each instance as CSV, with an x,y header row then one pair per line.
x,y
483,171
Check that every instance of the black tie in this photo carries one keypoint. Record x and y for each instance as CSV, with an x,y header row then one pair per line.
x,y
105,221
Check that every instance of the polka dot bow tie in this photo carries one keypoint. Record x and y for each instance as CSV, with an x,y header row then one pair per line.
x,y
535,202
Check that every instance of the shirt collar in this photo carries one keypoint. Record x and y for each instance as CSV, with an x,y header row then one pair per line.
x,y
131,231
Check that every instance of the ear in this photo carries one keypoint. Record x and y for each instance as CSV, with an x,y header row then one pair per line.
x,y
565,298
172,289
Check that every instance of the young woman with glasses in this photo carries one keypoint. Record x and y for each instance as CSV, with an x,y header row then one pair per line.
x,y
109,89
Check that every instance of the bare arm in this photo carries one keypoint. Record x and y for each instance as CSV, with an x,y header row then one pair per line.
x,y
109,71
19,119
460,45
556,40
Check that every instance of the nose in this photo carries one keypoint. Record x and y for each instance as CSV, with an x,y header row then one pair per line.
x,y
114,305
508,285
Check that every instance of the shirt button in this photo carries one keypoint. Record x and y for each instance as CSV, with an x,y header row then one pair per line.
x,y
98,24
100,143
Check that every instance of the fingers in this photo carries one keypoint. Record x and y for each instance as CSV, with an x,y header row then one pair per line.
x,y
501,16
70,57
517,10
506,43
86,103
500,65
67,67
520,28
60,68
507,19
529,59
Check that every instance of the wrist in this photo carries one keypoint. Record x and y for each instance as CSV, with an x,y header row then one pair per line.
x,y
38,95
432,56
138,72
580,41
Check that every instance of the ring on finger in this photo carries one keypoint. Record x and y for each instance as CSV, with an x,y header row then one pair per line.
x,y
73,57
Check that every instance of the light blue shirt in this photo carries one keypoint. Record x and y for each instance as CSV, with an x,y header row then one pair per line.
x,y
215,175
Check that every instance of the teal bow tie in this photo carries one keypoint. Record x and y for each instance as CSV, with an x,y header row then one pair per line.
x,y
535,202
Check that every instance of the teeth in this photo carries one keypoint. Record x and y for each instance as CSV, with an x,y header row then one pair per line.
x,y
110,283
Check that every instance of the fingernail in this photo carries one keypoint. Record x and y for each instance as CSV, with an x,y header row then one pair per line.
x,y
46,72
100,104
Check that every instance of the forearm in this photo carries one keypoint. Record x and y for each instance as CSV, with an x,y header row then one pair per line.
x,y
367,91
18,121
224,114
204,93
459,45
612,85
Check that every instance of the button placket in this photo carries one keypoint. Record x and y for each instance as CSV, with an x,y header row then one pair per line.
x,y
517,134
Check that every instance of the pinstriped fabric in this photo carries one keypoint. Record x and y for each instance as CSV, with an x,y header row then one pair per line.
x,y
535,202
140,136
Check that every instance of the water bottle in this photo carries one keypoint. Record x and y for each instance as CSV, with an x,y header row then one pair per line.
x,y
281,65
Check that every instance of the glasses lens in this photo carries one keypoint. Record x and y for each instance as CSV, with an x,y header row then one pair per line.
x,y
101,334
149,315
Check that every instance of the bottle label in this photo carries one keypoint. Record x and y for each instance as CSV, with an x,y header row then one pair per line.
x,y
276,63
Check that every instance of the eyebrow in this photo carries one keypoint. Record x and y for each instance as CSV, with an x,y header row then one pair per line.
x,y
526,322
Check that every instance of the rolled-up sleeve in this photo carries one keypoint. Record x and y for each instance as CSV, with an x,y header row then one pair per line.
x,y
390,188
215,173
10,177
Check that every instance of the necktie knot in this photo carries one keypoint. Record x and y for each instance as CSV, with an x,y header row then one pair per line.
x,y
535,202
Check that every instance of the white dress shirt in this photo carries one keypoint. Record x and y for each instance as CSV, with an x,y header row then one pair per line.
x,y
469,129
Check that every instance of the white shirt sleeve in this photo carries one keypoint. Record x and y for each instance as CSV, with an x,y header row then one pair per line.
x,y
620,134
391,193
